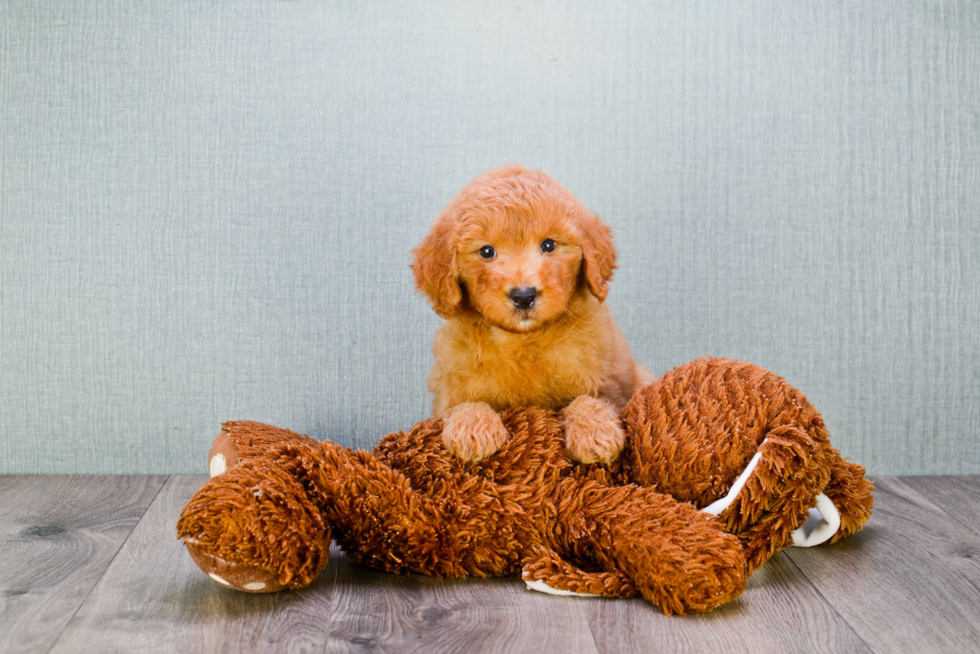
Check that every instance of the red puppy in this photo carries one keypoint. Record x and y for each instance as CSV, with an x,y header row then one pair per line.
x,y
519,269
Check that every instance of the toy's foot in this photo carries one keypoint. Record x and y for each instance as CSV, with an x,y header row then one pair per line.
x,y
541,587
592,430
239,576
823,523
473,431
551,574
851,494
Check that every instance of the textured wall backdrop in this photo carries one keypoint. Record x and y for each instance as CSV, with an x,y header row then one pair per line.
x,y
206,212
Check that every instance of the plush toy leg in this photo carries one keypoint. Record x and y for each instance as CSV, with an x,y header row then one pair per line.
x,y
677,557
380,520
771,497
548,573
851,494
255,529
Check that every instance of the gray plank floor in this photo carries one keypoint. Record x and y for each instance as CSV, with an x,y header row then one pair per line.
x,y
91,564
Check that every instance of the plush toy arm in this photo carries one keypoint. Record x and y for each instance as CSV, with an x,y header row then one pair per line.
x,y
468,528
678,558
265,524
771,497
788,474
547,572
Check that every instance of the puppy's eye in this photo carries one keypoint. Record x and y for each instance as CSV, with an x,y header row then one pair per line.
x,y
487,252
548,245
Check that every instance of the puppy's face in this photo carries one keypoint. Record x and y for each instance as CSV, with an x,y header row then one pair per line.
x,y
519,270
514,246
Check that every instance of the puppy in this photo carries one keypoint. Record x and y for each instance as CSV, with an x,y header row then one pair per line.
x,y
519,270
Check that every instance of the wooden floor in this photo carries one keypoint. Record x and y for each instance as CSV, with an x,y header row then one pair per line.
x,y
92,564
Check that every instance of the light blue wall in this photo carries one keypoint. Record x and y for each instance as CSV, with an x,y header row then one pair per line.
x,y
206,213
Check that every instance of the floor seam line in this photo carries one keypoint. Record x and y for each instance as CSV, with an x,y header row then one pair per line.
x,y
953,516
828,603
333,599
595,643
111,561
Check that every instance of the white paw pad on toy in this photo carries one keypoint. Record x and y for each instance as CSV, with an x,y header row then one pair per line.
x,y
218,465
823,523
541,587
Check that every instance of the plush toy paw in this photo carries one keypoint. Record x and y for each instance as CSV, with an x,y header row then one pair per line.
x,y
546,572
821,525
473,431
593,433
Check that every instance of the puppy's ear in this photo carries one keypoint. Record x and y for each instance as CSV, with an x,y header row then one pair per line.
x,y
598,254
435,268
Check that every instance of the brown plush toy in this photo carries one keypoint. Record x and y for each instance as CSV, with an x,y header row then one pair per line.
x,y
266,523
726,437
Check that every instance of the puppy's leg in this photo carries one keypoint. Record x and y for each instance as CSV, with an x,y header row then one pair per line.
x,y
592,430
473,431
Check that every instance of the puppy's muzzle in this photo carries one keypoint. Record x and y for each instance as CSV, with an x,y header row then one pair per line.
x,y
523,298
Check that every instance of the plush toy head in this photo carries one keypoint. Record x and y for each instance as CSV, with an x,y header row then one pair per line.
x,y
257,530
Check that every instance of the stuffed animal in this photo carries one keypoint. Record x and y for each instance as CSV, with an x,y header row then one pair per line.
x,y
724,437
266,522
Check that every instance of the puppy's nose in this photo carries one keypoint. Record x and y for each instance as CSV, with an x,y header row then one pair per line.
x,y
523,298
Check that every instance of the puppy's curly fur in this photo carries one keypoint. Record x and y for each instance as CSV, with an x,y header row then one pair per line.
x,y
514,231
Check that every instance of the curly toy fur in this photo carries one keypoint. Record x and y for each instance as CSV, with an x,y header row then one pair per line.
x,y
408,506
489,354
266,523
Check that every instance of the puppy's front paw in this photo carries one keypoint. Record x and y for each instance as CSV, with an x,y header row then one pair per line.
x,y
473,431
592,430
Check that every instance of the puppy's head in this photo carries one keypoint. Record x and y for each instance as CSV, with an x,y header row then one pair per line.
x,y
515,246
